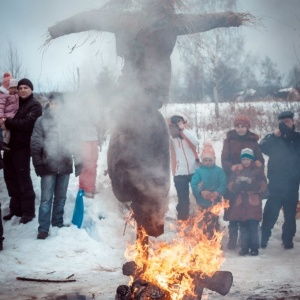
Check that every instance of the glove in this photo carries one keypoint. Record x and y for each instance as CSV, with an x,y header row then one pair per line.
x,y
206,195
40,170
78,169
214,196
249,180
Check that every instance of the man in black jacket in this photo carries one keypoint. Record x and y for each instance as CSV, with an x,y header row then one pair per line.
x,y
17,160
283,149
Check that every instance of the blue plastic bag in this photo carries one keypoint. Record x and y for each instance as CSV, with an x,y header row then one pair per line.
x,y
78,209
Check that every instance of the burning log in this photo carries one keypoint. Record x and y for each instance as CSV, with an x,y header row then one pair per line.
x,y
141,290
220,281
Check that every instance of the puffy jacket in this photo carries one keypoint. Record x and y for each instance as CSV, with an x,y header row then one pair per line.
x,y
9,105
52,144
211,179
247,204
232,147
22,124
183,153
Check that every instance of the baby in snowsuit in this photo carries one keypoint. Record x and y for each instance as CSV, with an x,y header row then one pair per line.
x,y
9,104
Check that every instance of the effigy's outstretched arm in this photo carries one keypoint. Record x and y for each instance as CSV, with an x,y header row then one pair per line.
x,y
193,23
90,20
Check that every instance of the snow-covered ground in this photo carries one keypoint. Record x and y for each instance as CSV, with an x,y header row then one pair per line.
x,y
94,254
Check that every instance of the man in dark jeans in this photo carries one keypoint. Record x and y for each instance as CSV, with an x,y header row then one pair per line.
x,y
17,160
283,149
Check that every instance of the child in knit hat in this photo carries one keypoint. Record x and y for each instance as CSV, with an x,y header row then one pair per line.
x,y
247,183
9,105
208,186
237,139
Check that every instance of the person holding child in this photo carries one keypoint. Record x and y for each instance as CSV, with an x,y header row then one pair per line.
x,y
209,185
247,183
17,160
237,139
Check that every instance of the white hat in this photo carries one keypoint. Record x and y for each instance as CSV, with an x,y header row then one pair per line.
x,y
13,83
182,115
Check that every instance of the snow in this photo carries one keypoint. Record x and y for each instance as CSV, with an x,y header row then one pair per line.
x,y
94,254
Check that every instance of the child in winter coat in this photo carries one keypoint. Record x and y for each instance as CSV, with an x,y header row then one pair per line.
x,y
236,140
247,183
208,185
9,104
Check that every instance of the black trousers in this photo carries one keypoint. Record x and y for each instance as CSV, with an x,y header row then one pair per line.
x,y
182,185
281,196
18,182
249,234
1,225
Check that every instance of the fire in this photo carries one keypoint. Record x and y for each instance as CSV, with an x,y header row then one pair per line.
x,y
171,265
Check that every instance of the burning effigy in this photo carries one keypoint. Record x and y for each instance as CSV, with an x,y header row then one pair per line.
x,y
146,32
138,156
180,268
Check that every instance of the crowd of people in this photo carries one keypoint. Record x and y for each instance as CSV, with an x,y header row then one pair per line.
x,y
46,135
241,180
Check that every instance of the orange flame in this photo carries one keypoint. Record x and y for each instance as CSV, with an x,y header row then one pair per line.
x,y
194,249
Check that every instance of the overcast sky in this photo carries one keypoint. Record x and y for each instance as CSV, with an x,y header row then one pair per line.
x,y
25,23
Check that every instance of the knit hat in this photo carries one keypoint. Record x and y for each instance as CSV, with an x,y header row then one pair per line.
x,y
208,151
5,80
13,83
242,119
247,153
27,82
286,114
179,115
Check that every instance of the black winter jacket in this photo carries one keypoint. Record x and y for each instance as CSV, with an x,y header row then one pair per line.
x,y
284,158
52,144
22,124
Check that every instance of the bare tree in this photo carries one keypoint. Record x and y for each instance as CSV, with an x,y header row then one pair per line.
x,y
293,78
72,77
14,63
219,52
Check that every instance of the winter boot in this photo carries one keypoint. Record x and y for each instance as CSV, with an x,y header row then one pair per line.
x,y
288,245
26,219
8,217
244,251
42,235
264,240
254,252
